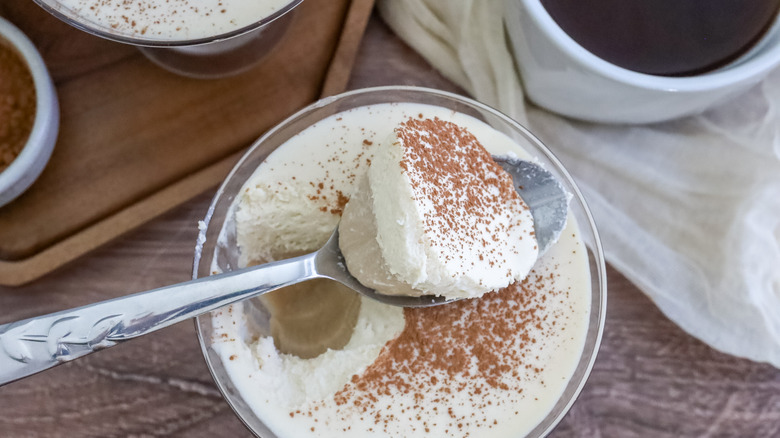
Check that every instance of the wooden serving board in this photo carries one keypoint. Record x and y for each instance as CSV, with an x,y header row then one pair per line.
x,y
136,140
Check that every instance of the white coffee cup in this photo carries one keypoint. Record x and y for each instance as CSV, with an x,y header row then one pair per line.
x,y
562,76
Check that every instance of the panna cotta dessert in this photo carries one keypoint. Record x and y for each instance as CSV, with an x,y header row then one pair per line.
x,y
318,360
435,215
171,20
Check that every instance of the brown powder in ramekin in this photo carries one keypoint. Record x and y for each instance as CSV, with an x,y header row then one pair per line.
x,y
17,104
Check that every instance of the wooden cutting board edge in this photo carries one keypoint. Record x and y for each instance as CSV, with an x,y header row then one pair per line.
x,y
20,272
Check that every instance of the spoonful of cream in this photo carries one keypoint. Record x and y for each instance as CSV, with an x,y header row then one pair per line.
x,y
436,214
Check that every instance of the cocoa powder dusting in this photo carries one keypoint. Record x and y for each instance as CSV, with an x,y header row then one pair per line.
x,y
465,347
469,190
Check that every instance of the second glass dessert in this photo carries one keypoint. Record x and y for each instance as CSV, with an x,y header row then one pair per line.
x,y
203,39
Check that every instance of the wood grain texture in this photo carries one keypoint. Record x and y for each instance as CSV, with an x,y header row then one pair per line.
x,y
650,379
125,124
343,59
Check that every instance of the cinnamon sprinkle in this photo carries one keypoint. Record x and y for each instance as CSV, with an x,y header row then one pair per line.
x,y
471,193
468,347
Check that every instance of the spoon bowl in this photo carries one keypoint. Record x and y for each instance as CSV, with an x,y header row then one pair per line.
x,y
545,196
330,264
540,190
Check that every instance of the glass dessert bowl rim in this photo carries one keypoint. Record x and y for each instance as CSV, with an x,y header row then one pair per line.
x,y
86,26
598,295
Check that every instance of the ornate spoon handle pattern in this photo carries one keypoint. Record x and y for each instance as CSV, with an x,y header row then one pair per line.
x,y
33,345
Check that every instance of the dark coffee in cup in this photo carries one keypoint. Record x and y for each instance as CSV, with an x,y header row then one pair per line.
x,y
665,37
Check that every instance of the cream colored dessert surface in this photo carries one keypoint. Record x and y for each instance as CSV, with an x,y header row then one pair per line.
x,y
487,367
435,215
173,20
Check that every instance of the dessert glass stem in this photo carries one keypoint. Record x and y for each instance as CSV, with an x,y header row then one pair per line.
x,y
36,344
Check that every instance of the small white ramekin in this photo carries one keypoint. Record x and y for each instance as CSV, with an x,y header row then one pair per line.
x,y
26,168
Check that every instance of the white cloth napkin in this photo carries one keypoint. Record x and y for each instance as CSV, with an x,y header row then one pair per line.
x,y
688,210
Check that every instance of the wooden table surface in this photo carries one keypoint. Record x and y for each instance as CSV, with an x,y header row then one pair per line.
x,y
650,379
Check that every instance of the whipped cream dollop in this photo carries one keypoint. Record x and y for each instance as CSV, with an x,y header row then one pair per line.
x,y
435,215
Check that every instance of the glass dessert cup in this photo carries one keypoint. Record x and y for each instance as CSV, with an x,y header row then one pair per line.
x,y
215,56
217,248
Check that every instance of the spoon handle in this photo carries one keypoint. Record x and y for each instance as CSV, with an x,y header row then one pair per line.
x,y
36,344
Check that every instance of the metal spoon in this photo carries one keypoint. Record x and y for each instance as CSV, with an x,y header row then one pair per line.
x,y
544,194
36,344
